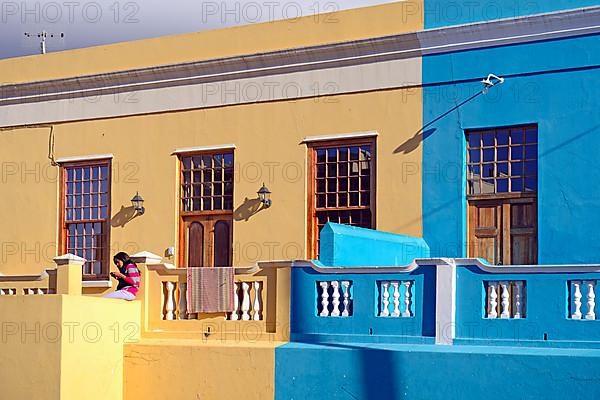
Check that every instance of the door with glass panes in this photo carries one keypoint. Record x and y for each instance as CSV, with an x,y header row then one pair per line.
x,y
206,224
502,167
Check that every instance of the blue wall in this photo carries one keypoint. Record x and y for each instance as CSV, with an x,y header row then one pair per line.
x,y
414,372
553,84
364,325
344,245
438,13
546,305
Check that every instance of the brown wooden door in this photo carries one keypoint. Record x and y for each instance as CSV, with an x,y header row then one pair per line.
x,y
523,232
503,231
485,219
206,241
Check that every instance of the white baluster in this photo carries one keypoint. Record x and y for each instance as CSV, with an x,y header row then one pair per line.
x,y
245,301
346,303
169,301
385,303
591,300
493,300
396,296
30,292
40,291
335,299
576,300
518,299
12,292
505,303
407,299
257,301
2,292
235,315
182,300
324,299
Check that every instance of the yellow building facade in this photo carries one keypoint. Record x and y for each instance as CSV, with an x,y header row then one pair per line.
x,y
266,94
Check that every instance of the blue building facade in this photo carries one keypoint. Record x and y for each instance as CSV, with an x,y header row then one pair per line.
x,y
441,321
551,85
441,13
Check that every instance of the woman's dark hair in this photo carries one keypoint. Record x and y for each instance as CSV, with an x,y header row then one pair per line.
x,y
122,256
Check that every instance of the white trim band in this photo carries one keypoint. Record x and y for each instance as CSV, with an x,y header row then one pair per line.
x,y
203,148
341,136
64,160
96,284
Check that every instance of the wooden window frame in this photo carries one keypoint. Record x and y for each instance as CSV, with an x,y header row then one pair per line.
x,y
63,231
312,147
503,201
180,158
181,257
509,161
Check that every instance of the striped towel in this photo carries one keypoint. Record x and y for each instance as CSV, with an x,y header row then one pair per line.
x,y
210,290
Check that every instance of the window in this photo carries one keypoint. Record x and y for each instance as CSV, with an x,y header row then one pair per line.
x,y
85,215
502,177
502,160
341,186
207,182
206,223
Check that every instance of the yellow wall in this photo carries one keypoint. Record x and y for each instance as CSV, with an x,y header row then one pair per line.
x,y
213,371
30,366
71,347
387,19
93,362
264,134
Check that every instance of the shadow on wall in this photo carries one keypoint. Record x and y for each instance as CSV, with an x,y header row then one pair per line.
x,y
358,372
247,209
413,143
423,133
123,217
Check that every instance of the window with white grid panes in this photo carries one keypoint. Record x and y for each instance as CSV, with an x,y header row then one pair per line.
x,y
207,182
342,186
502,160
86,215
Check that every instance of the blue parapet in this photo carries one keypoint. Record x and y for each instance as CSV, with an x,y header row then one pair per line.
x,y
377,307
344,245
527,308
429,372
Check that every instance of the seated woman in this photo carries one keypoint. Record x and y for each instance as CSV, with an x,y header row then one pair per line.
x,y
128,277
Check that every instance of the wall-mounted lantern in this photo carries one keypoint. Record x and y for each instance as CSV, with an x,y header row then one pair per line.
x,y
264,195
138,204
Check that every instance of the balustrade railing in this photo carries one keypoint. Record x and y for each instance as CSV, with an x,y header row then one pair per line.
x,y
28,285
395,299
583,299
256,293
527,305
363,303
505,299
248,301
334,298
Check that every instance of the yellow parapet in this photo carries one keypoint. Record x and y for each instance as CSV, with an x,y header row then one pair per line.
x,y
68,274
65,347
194,369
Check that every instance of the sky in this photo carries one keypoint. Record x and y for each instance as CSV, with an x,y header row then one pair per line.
x,y
91,23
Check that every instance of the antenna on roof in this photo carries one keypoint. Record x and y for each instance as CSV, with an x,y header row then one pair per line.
x,y
43,35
